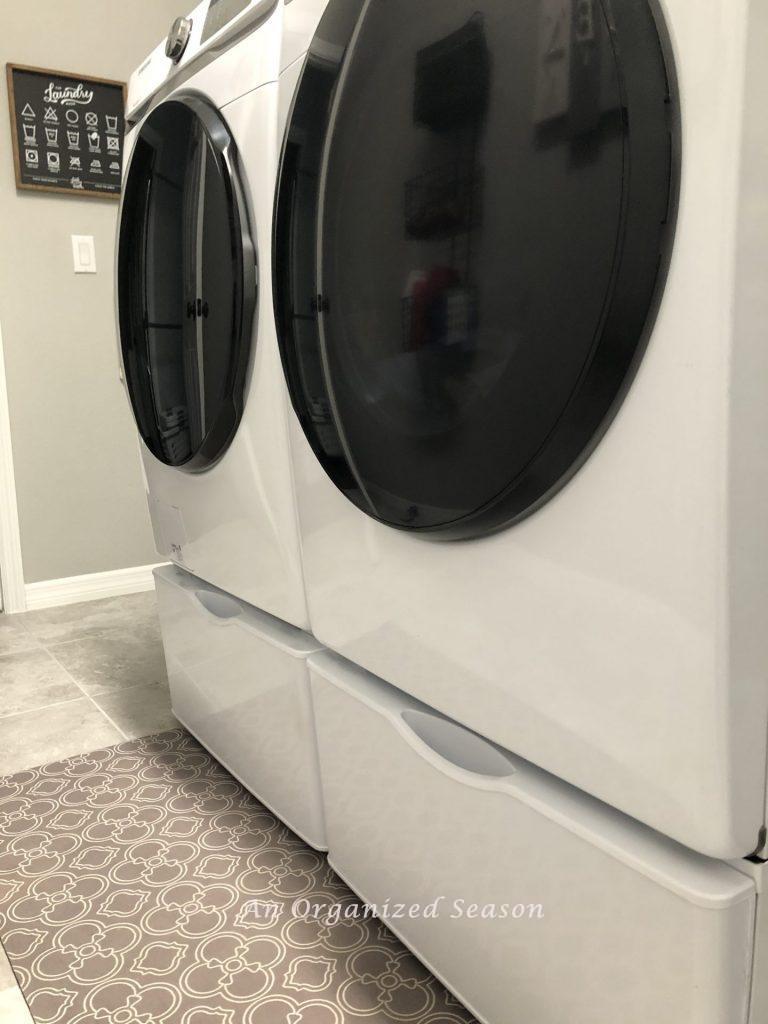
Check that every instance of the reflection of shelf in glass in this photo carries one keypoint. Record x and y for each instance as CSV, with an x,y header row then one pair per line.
x,y
173,430
442,320
441,203
325,429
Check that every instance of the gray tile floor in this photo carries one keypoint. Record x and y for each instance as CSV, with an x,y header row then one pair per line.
x,y
74,679
80,677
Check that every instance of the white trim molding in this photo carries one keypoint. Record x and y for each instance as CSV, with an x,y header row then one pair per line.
x,y
90,587
11,568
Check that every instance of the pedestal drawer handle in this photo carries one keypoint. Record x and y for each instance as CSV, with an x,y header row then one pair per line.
x,y
218,605
459,746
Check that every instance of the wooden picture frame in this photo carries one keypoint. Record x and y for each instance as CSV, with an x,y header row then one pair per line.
x,y
90,80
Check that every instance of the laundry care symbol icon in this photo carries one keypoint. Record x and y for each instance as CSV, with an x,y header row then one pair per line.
x,y
111,120
94,141
54,161
28,111
73,138
72,115
31,157
30,134
91,119
74,163
52,136
51,117
113,144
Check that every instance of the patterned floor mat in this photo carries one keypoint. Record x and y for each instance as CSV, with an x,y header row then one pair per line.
x,y
142,885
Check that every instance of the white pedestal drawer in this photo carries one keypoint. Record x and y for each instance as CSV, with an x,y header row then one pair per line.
x,y
240,683
599,920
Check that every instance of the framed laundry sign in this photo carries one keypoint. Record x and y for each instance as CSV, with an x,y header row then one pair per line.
x,y
67,131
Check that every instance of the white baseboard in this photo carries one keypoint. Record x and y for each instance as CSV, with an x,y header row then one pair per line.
x,y
90,587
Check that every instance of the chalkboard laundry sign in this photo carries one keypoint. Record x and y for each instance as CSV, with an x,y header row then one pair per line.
x,y
67,131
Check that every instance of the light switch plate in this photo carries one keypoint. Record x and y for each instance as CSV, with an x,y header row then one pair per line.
x,y
84,254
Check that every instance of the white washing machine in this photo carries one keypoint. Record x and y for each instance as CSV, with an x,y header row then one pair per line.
x,y
197,330
520,257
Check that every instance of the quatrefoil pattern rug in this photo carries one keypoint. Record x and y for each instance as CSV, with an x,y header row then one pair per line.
x,y
142,885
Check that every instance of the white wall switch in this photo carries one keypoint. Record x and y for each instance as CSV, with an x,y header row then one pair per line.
x,y
84,254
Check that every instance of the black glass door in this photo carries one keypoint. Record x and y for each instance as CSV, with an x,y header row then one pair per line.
x,y
473,223
186,284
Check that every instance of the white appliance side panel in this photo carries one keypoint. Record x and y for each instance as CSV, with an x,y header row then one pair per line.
x,y
757,870
594,637
300,21
759,1002
617,923
748,428
239,517
240,684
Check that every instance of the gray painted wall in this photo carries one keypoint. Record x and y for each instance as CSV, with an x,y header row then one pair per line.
x,y
81,498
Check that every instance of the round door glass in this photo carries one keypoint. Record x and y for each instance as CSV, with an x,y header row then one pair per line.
x,y
186,285
473,221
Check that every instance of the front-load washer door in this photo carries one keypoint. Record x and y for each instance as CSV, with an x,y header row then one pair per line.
x,y
186,284
473,223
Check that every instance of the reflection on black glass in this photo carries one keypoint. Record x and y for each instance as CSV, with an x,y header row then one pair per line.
x,y
296,281
453,341
465,184
576,99
155,279
180,285
442,212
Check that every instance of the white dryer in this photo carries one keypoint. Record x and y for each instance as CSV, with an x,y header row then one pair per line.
x,y
520,266
197,331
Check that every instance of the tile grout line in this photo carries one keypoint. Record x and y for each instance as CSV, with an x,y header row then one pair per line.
x,y
86,694
107,632
44,707
24,650
70,700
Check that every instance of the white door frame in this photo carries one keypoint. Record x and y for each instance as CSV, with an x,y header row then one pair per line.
x,y
11,567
